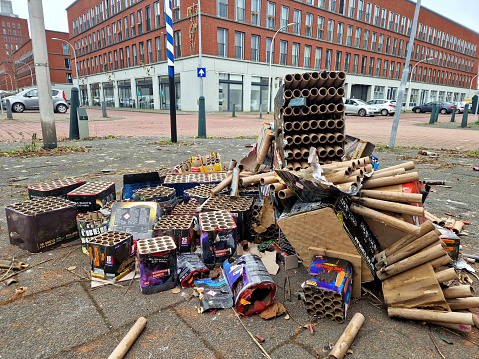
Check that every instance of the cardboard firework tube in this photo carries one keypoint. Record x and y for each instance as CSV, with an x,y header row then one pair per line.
x,y
314,78
296,165
430,315
304,163
288,111
305,125
313,124
446,275
397,171
330,151
288,126
330,124
296,80
222,185
313,109
322,138
355,179
128,340
430,217
346,186
297,153
330,137
285,193
305,110
313,95
276,187
288,81
345,340
424,228
475,318
296,111
305,93
412,248
391,196
235,183
406,165
268,180
388,181
351,163
330,94
305,139
463,303
289,139
331,108
288,94
331,77
386,219
413,261
339,94
322,123
264,148
458,291
339,151
248,181
313,138
297,125
232,165
441,261
457,227
322,92
339,108
321,151
459,327
340,78
297,139
305,77
323,76
389,206
296,93
339,124
304,153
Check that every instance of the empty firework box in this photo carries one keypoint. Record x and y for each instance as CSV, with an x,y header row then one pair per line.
x,y
183,181
199,193
180,228
135,181
218,237
157,264
56,188
451,241
208,163
252,286
186,208
40,224
327,290
137,218
112,255
239,207
92,196
190,268
90,225
164,196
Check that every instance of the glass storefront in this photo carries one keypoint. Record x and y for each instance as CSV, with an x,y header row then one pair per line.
x,y
144,91
84,95
165,92
124,94
108,95
259,93
231,92
95,94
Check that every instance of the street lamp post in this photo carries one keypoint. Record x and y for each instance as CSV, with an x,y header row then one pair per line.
x,y
31,73
470,85
410,77
11,82
271,59
76,64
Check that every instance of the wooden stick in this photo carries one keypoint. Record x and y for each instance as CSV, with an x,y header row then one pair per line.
x,y
408,238
397,171
446,275
406,165
389,206
265,353
430,315
413,261
130,337
391,196
458,291
386,219
463,303
388,181
344,342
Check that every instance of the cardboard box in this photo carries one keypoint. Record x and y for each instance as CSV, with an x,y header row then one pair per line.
x,y
134,181
92,196
180,228
56,188
137,218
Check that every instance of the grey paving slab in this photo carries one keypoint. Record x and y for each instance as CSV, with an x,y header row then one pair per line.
x,y
42,325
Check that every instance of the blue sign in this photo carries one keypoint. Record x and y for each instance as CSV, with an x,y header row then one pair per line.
x,y
201,71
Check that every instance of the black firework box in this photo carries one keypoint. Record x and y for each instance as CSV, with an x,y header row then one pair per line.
x,y
93,196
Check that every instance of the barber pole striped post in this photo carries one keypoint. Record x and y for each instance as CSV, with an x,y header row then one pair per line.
x,y
171,67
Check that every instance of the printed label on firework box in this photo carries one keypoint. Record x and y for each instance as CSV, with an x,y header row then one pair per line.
x,y
157,271
137,218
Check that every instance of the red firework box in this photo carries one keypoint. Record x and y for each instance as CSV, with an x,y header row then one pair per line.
x,y
92,196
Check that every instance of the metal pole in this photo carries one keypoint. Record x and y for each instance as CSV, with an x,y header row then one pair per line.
x,y
76,64
433,112
405,74
201,100
42,71
74,104
464,115
171,67
453,116
270,61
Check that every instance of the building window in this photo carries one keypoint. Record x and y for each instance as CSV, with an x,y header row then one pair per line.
x,y
355,64
385,68
376,15
307,56
297,21
222,8
156,7
390,20
148,18
239,10
222,42
378,67
349,35
383,17
378,92
352,4
396,22
408,30
317,58
158,48
132,23
308,28
269,48
255,12
357,38
366,39
360,10
368,12
176,10
364,60
177,44
65,49
295,55
142,52
127,29
69,78
337,63
255,47
322,4
239,45
327,64
109,34
135,55
391,70
284,19
347,60
332,5
388,44
339,34
116,59
329,35
270,14
140,21
283,52
395,45
113,27
67,64
403,24
380,43
371,66
320,29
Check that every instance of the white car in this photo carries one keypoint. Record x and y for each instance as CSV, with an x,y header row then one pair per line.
x,y
386,107
359,107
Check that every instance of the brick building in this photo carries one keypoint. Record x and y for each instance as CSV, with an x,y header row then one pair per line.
x,y
122,54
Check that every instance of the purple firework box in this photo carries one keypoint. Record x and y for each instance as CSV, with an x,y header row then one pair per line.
x,y
157,264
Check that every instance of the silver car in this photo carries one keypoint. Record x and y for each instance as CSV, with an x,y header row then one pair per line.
x,y
359,107
28,100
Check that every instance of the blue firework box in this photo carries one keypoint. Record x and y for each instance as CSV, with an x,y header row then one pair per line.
x,y
135,181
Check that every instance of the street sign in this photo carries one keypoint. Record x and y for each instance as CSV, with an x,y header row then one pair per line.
x,y
201,71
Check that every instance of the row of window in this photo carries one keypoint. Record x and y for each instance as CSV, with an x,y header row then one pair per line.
x,y
14,32
356,9
14,25
142,53
12,40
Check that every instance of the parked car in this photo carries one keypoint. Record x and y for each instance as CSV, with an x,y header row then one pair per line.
x,y
28,100
386,107
459,107
359,107
445,107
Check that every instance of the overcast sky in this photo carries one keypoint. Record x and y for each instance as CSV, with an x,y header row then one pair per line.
x,y
465,12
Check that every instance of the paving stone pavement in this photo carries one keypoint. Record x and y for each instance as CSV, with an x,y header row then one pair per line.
x,y
60,316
